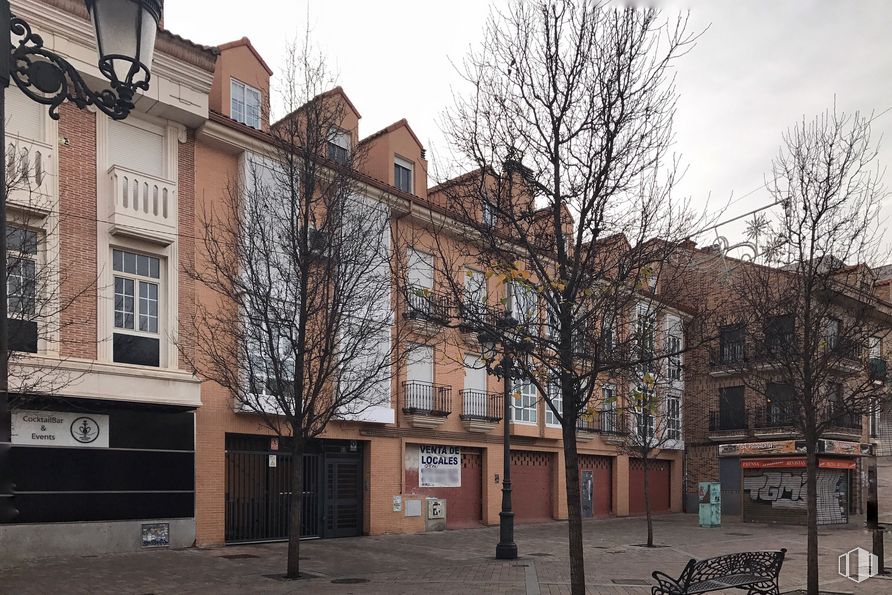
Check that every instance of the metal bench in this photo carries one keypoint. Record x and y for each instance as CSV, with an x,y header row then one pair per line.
x,y
754,572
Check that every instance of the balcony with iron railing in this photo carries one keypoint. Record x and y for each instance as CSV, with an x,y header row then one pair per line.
x,y
428,308
425,404
481,410
142,205
723,425
774,421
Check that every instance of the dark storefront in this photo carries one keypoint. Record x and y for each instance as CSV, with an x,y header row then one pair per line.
x,y
80,460
258,489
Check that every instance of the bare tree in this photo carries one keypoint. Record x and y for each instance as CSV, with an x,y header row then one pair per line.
x,y
566,132
298,258
806,330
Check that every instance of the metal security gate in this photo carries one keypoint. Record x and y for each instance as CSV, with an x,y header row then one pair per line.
x,y
258,491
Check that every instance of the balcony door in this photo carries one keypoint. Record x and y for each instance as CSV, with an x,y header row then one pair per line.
x,y
419,388
474,395
732,412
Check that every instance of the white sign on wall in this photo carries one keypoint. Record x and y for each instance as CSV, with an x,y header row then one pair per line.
x,y
59,428
439,466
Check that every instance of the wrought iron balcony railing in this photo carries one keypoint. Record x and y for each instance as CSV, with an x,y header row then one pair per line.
x,y
425,304
426,398
727,422
480,405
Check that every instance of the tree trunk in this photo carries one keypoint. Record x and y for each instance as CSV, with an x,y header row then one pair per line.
x,y
574,510
811,492
650,522
294,518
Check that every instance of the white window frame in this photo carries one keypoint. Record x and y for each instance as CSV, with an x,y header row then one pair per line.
x,y
405,164
673,418
138,281
557,399
644,419
525,409
608,405
674,362
341,139
19,257
246,117
523,303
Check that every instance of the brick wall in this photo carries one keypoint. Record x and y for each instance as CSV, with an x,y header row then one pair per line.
x,y
77,232
186,250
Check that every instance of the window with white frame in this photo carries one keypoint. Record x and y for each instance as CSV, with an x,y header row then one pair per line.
x,y
645,332
673,416
21,271
138,146
644,414
523,406
475,398
673,346
339,146
522,302
245,104
137,281
474,302
489,216
557,399
609,422
402,174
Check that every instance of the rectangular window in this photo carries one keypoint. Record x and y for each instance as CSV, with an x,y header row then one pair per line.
x,y
21,270
523,406
136,273
731,343
557,399
674,360
339,146
609,423
780,405
645,332
779,334
522,302
245,104
673,416
489,216
474,302
732,409
402,174
644,414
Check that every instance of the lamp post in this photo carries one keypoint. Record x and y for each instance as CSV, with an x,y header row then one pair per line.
x,y
125,33
507,370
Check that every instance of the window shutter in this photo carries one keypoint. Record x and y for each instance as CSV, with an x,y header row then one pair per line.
x,y
136,148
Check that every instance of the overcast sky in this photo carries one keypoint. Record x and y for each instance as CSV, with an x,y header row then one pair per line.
x,y
759,67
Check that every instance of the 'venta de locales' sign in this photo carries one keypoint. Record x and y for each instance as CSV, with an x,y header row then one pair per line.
x,y
439,466
59,428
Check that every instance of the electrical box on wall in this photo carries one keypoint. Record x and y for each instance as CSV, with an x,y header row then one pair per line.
x,y
436,508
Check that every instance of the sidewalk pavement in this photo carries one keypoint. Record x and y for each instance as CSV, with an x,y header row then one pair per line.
x,y
451,562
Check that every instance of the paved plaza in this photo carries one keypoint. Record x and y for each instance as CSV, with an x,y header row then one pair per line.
x,y
446,562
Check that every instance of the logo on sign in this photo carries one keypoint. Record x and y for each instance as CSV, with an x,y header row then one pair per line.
x,y
85,430
858,565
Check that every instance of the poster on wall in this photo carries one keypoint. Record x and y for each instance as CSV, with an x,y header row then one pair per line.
x,y
59,428
761,448
439,466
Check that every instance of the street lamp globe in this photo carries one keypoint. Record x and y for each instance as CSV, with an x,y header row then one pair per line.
x,y
487,346
125,37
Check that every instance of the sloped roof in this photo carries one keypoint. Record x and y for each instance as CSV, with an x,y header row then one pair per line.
x,y
391,128
244,41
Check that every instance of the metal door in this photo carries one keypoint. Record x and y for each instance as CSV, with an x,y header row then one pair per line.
x,y
258,491
343,496
729,477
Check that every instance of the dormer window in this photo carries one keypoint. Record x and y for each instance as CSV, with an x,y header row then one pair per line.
x,y
245,106
402,174
339,146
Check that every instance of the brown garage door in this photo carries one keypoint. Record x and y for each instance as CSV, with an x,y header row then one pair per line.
x,y
602,479
531,480
659,481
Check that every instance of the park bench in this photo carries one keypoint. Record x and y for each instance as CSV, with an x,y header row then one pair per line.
x,y
754,572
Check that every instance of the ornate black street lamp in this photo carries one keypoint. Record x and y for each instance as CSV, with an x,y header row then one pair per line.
x,y
125,37
507,369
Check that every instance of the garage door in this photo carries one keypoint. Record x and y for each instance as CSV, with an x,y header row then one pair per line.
x,y
601,472
465,507
531,481
659,481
